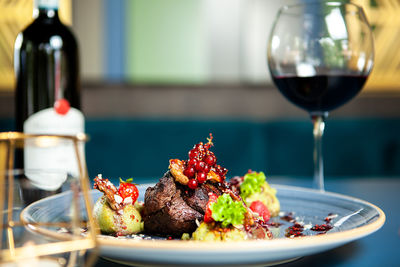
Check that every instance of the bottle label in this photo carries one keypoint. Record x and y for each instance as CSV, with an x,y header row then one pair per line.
x,y
47,4
58,161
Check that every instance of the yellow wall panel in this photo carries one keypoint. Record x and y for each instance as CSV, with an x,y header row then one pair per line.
x,y
383,15
15,16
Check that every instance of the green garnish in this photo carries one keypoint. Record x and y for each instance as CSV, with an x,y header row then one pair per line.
x,y
185,236
227,211
129,180
252,184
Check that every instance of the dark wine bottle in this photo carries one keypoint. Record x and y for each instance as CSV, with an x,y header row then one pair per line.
x,y
47,74
47,94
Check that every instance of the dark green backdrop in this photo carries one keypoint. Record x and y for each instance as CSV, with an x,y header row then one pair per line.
x,y
142,148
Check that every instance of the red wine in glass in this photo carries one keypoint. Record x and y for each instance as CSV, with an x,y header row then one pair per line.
x,y
320,93
319,56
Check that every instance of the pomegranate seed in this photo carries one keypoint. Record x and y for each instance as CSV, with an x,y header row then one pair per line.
x,y
206,168
201,177
199,166
193,153
189,172
210,160
192,162
198,146
222,171
192,184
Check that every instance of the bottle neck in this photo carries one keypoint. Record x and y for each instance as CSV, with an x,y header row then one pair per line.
x,y
46,9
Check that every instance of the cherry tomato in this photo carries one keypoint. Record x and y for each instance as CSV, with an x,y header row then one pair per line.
x,y
259,207
127,189
208,215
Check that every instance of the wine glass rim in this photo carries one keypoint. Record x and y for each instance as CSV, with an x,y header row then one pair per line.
x,y
326,3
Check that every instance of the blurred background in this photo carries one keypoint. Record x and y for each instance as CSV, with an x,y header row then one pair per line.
x,y
159,75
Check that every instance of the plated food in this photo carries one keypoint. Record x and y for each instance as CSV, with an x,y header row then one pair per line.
x,y
294,234
117,211
193,200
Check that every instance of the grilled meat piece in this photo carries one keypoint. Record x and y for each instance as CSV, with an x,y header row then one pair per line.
x,y
172,209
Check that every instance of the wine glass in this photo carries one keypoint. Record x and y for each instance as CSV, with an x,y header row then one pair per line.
x,y
319,56
38,174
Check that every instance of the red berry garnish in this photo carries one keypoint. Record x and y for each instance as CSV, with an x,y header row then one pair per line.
x,y
61,106
210,159
189,172
192,162
192,184
199,166
201,177
200,163
259,207
193,153
128,189
206,168
221,171
198,146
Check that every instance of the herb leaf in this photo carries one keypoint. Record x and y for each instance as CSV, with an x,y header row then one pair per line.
x,y
252,184
129,180
227,211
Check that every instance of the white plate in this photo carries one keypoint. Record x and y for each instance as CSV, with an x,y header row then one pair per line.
x,y
356,219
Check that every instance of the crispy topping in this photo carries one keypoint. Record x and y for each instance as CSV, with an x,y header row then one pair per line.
x,y
176,167
213,176
118,199
128,201
109,190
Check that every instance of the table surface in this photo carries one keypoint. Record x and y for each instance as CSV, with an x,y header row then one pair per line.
x,y
381,248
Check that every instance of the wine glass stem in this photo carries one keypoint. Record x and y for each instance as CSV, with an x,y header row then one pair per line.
x,y
318,131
